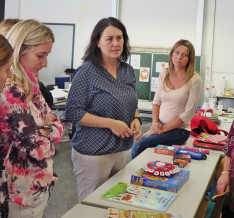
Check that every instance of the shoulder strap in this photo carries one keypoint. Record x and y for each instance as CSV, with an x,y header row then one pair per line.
x,y
221,130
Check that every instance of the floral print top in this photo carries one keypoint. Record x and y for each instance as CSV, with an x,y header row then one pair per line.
x,y
26,165
229,149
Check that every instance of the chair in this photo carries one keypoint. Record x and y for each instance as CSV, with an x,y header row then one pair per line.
x,y
212,208
215,206
211,205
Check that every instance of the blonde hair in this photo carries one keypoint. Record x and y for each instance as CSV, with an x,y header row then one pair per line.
x,y
22,37
6,51
6,24
190,68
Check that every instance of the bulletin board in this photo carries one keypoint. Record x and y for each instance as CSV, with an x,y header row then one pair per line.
x,y
143,88
150,60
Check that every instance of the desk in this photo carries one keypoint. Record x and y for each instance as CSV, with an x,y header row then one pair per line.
x,y
84,211
145,109
224,97
226,123
189,197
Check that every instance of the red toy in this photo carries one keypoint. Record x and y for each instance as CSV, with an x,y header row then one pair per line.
x,y
160,168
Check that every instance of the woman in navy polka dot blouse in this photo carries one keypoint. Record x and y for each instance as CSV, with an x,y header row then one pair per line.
x,y
102,104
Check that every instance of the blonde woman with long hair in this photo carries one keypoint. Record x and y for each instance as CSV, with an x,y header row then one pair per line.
x,y
175,100
29,129
6,58
6,24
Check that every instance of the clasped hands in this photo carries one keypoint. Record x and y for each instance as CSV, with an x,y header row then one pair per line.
x,y
48,121
122,130
156,128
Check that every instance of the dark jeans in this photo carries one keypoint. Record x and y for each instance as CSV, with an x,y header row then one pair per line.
x,y
173,137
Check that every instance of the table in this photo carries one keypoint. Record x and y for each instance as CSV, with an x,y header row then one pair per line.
x,y
82,211
224,97
226,123
189,197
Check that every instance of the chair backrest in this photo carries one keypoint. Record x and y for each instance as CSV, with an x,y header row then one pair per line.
x,y
219,200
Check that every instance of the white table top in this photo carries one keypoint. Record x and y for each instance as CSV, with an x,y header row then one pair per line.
x,y
84,211
189,197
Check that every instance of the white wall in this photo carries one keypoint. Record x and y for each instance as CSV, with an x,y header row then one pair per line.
x,y
153,23
149,23
84,13
223,52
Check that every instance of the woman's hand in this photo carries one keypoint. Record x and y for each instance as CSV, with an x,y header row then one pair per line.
x,y
150,132
48,120
156,128
45,132
222,183
121,129
135,126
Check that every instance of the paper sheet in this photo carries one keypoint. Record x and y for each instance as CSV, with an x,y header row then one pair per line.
x,y
135,61
144,74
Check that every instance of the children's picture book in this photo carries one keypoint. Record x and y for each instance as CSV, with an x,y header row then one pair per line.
x,y
140,196
205,140
216,139
122,213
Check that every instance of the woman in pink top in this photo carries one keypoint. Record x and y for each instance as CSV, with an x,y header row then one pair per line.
x,y
29,130
175,100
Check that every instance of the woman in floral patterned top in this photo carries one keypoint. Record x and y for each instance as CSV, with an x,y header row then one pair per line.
x,y
29,130
227,176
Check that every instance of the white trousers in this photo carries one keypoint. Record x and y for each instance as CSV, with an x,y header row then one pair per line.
x,y
37,210
91,171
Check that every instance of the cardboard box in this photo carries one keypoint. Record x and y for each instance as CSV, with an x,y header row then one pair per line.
x,y
180,163
173,183
182,157
165,149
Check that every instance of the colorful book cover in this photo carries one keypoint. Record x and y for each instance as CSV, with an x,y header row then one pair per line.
x,y
173,183
140,196
216,139
122,213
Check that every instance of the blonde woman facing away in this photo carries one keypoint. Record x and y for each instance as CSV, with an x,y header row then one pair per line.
x,y
29,129
6,59
175,100
6,24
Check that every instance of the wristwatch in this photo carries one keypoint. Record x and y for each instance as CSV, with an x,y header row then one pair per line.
x,y
138,119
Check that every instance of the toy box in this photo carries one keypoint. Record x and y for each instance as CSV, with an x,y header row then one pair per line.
x,y
182,157
165,149
173,183
180,163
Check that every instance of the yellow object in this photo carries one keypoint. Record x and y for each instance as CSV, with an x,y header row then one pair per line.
x,y
228,92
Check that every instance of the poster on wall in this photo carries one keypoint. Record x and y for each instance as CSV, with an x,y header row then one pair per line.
x,y
154,84
160,66
135,61
144,74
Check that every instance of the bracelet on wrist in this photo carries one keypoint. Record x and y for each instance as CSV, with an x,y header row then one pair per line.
x,y
225,172
138,119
